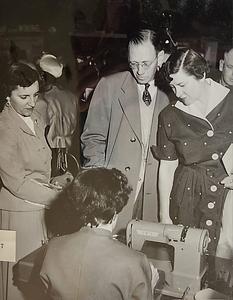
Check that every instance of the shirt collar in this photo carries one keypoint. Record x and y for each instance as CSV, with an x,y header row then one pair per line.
x,y
217,94
98,231
141,87
222,82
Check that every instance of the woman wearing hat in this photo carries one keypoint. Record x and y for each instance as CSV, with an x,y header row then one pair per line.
x,y
62,110
25,165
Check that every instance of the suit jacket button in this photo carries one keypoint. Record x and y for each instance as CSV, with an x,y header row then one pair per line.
x,y
127,169
133,140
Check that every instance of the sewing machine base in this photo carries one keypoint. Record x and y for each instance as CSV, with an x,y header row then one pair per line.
x,y
177,285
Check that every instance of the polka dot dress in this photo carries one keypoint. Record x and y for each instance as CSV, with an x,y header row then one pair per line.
x,y
197,196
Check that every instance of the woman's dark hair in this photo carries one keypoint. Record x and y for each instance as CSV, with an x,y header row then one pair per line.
x,y
96,194
20,74
17,74
188,60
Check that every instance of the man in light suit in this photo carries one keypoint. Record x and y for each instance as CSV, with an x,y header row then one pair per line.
x,y
122,124
89,264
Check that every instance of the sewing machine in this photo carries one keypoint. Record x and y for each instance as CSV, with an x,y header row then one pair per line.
x,y
188,261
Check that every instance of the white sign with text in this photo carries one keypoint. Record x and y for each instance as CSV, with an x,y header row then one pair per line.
x,y
8,245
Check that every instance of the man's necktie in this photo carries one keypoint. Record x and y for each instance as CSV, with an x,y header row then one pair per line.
x,y
146,97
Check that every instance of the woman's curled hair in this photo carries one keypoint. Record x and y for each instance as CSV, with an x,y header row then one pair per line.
x,y
192,62
96,194
17,74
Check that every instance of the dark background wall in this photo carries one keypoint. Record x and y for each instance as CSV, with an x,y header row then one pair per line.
x,y
72,28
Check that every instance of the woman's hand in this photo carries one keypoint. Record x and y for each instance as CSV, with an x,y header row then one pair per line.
x,y
228,182
62,180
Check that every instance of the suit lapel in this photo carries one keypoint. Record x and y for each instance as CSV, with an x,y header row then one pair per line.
x,y
17,120
128,99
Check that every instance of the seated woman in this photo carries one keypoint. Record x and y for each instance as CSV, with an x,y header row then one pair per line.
x,y
25,165
193,135
89,263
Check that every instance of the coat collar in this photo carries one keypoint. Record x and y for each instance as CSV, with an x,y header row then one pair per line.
x,y
128,99
128,107
97,231
13,115
217,94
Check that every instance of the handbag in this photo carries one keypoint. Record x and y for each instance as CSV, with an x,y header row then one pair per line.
x,y
63,161
26,275
27,269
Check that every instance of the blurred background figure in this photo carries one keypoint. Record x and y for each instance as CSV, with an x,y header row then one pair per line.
x,y
62,113
25,169
226,66
225,73
107,268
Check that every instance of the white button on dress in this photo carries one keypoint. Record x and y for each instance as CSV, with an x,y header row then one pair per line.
x,y
209,222
215,156
210,205
210,133
213,188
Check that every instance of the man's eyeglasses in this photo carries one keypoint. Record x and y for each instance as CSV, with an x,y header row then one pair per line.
x,y
144,64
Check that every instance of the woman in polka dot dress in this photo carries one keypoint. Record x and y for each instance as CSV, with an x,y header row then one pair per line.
x,y
193,135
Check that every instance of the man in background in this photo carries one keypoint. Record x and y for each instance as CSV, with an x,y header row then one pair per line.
x,y
227,69
225,74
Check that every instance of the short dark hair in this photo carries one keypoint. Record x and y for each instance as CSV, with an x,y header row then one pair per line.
x,y
20,74
142,35
95,194
188,60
